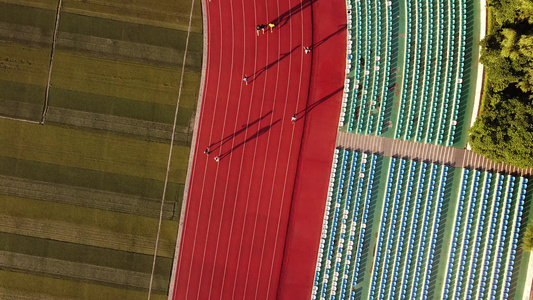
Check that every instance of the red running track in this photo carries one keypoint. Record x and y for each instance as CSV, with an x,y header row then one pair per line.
x,y
261,206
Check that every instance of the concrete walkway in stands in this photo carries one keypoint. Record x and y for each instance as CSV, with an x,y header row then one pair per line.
x,y
456,157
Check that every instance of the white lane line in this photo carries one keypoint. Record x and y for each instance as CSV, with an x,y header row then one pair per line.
x,y
253,165
230,156
291,144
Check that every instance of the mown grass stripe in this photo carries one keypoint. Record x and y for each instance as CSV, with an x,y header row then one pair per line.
x,y
20,110
24,64
145,130
119,30
95,75
27,284
83,254
29,16
87,150
80,272
116,106
21,92
124,224
85,234
119,50
65,194
168,14
122,184
26,35
126,127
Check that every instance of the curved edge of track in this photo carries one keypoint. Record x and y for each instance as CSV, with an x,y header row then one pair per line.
x,y
316,152
191,153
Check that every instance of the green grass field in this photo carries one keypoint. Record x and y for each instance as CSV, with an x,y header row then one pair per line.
x,y
80,196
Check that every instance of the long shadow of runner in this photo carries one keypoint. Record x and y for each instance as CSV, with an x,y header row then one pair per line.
x,y
270,65
259,133
282,19
342,28
299,115
233,135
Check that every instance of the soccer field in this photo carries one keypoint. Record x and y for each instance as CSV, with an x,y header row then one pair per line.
x,y
81,194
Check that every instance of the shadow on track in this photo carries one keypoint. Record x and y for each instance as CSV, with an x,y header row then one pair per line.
x,y
301,114
259,133
282,19
342,28
233,135
270,65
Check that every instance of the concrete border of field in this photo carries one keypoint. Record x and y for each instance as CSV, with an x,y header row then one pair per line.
x,y
191,154
480,67
170,155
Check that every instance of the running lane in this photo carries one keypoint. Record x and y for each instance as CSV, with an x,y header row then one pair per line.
x,y
237,209
318,144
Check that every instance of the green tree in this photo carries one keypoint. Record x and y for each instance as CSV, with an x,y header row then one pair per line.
x,y
504,133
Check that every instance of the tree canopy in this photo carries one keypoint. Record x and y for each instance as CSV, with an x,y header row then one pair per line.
x,y
504,130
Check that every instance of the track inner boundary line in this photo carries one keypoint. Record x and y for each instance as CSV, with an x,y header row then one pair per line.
x,y
170,151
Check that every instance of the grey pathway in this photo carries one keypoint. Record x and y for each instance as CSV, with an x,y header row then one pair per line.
x,y
457,157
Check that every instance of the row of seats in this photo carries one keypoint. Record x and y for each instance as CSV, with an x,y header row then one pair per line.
x,y
344,223
433,69
485,237
430,114
368,64
409,230
360,254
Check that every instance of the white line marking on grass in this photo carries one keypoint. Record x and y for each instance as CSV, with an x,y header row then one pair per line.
x,y
19,119
192,162
171,146
45,104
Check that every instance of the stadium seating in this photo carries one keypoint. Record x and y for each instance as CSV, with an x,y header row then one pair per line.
x,y
399,221
482,267
432,76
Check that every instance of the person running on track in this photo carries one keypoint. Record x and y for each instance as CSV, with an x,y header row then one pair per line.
x,y
271,25
206,150
217,159
307,49
260,27
293,118
245,79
